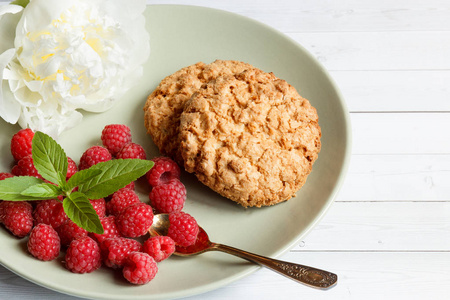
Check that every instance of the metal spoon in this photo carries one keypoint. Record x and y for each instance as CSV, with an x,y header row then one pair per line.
x,y
307,275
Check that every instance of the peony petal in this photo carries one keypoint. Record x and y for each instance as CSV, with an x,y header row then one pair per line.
x,y
9,17
10,9
9,108
74,54
34,86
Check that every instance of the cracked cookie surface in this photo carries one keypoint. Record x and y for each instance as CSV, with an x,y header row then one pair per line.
x,y
250,137
165,104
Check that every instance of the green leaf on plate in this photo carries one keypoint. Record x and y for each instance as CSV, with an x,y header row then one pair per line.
x,y
11,188
115,175
49,158
42,190
80,177
81,212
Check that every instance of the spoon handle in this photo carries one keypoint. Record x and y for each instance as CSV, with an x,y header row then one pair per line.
x,y
307,275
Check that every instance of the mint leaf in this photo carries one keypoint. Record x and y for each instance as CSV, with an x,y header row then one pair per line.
x,y
115,175
63,183
42,190
11,188
81,212
22,3
80,177
48,157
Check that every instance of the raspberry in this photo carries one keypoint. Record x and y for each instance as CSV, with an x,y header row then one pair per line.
x,y
139,268
130,186
115,250
135,220
121,200
93,156
83,256
163,171
25,167
132,150
71,168
183,229
115,136
21,143
50,212
70,231
17,217
44,242
99,206
168,197
159,247
5,175
109,228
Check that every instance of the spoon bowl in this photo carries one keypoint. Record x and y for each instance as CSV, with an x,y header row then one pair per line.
x,y
307,275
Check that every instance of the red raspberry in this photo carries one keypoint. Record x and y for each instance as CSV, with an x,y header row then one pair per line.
x,y
168,197
132,150
83,256
139,268
130,186
50,212
109,228
70,231
93,156
115,136
21,143
135,220
99,206
115,250
5,175
163,171
44,242
121,200
71,168
17,217
183,229
25,167
159,247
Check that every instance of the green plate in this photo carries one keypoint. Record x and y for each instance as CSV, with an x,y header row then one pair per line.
x,y
181,36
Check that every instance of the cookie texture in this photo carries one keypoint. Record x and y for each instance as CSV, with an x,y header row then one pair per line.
x,y
165,104
250,137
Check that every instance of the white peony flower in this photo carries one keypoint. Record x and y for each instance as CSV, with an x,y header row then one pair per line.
x,y
57,57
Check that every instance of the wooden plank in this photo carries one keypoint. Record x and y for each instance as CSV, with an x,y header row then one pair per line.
x,y
401,133
387,91
397,178
381,226
418,50
368,276
400,275
13,287
350,15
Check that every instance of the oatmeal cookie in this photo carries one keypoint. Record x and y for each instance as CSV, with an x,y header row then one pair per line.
x,y
165,104
250,137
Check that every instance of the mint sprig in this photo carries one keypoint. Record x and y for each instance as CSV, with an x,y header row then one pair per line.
x,y
11,188
81,212
115,174
96,182
49,158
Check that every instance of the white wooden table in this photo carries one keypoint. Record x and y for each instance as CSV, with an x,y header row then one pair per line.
x,y
388,232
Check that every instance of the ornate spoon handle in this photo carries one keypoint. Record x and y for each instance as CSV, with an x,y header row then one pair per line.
x,y
303,274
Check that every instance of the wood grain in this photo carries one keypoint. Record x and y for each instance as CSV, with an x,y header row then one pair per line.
x,y
386,235
412,177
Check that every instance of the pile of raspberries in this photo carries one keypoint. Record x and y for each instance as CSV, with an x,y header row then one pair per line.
x,y
125,244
